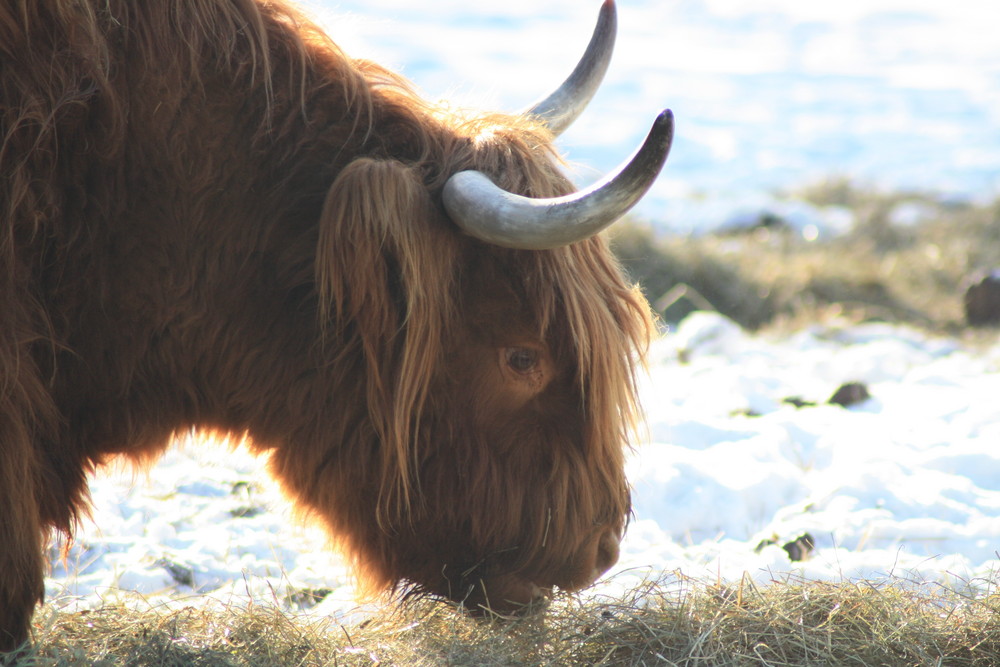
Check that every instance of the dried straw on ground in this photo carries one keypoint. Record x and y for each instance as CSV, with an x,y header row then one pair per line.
x,y
682,623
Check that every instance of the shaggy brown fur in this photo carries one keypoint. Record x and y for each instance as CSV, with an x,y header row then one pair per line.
x,y
213,219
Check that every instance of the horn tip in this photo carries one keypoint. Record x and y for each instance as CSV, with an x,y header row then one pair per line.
x,y
608,13
664,123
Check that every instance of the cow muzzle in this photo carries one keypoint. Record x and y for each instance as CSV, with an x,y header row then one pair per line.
x,y
522,593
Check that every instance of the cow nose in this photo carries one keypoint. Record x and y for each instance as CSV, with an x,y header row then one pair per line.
x,y
507,594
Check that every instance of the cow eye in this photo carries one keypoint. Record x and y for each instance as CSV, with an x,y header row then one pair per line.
x,y
521,359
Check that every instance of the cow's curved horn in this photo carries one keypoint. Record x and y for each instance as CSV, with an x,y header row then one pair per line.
x,y
496,216
562,107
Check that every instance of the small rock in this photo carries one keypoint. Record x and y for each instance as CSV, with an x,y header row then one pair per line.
x,y
982,301
849,394
798,402
245,512
798,549
181,574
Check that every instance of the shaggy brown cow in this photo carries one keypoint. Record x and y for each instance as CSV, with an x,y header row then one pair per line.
x,y
214,220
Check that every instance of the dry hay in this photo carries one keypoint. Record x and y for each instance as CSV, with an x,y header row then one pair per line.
x,y
792,622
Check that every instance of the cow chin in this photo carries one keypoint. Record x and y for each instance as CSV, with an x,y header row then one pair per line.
x,y
522,593
507,595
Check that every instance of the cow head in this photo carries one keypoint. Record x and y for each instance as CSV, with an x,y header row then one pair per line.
x,y
496,343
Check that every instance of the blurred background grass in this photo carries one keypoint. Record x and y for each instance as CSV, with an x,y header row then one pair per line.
x,y
768,274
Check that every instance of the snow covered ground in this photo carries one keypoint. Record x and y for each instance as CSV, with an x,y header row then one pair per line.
x,y
905,484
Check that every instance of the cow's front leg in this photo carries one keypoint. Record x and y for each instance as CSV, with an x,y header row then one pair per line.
x,y
21,545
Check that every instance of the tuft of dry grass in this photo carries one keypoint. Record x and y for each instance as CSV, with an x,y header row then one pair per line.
x,y
687,623
771,275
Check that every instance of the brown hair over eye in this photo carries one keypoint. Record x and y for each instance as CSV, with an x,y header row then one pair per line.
x,y
521,359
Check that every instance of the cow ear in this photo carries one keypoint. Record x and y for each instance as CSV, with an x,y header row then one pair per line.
x,y
384,273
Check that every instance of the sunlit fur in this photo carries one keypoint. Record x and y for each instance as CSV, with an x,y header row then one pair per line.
x,y
212,219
